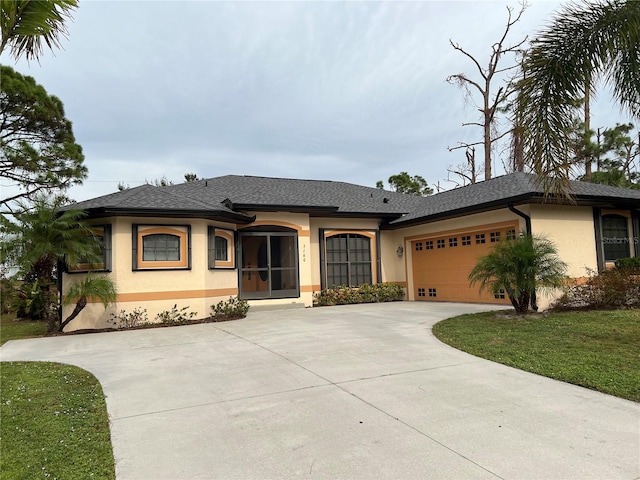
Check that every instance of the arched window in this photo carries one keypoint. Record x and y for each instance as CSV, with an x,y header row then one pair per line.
x,y
348,260
221,248
615,237
159,247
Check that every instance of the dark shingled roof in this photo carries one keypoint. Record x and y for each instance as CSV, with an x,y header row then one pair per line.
x,y
263,193
514,188
227,197
148,199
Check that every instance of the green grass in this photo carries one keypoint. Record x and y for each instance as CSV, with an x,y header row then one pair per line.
x,y
12,330
54,423
595,349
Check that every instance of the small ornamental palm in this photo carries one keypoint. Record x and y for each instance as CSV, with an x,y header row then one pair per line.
x,y
101,288
518,267
40,239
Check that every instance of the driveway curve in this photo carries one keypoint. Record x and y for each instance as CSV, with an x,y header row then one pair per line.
x,y
353,392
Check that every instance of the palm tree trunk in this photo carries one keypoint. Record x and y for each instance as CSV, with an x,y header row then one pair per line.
x,y
587,127
82,302
47,304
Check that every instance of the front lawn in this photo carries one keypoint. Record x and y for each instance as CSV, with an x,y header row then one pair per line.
x,y
15,330
54,423
594,349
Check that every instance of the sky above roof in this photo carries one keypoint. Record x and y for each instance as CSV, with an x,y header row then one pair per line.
x,y
349,91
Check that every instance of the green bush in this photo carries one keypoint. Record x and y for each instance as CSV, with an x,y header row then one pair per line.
x,y
615,288
175,316
366,293
22,298
629,263
230,309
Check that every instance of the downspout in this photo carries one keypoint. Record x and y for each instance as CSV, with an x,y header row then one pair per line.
x,y
527,223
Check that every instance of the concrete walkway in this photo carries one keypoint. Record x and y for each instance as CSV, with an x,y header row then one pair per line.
x,y
349,392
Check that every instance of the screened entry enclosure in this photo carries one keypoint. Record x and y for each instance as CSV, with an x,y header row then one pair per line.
x,y
268,265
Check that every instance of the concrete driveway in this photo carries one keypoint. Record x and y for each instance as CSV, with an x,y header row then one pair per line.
x,y
343,392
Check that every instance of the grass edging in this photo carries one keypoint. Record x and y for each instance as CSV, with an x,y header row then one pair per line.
x,y
54,423
593,349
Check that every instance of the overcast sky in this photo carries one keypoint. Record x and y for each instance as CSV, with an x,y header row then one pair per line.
x,y
350,91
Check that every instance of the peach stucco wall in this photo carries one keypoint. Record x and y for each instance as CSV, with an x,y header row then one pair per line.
x,y
199,287
571,228
572,231
157,291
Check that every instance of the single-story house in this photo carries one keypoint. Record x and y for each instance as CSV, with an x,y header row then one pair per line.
x,y
277,241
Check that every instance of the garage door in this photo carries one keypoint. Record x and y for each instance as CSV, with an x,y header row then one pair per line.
x,y
441,264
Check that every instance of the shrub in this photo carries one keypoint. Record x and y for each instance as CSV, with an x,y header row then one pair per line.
x,y
230,309
615,288
366,293
136,318
632,263
175,316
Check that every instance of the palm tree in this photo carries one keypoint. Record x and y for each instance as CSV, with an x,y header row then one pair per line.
x,y
41,238
518,267
584,42
101,288
28,24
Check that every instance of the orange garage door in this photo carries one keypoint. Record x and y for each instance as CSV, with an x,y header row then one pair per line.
x,y
441,264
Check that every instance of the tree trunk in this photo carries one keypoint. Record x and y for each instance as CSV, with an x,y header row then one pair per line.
x,y
587,127
523,303
518,149
488,117
47,304
82,302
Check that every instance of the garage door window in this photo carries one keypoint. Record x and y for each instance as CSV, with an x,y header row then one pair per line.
x,y
348,260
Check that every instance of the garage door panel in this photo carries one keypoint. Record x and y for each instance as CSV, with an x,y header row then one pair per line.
x,y
442,273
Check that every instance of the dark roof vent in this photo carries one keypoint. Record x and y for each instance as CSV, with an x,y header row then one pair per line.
x,y
385,200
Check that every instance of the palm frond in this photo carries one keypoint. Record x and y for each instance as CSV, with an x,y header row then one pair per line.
x,y
519,267
583,42
101,288
28,25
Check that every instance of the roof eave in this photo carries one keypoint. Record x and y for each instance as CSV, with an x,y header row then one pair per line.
x,y
217,215
484,207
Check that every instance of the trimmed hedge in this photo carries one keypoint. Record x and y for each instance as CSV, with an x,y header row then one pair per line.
x,y
342,295
630,263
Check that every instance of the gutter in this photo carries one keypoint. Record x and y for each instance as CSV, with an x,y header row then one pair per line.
x,y
527,218
527,222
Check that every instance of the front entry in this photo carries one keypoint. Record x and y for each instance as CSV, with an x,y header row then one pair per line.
x,y
268,265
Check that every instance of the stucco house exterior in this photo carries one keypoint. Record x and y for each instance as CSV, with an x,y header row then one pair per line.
x,y
277,241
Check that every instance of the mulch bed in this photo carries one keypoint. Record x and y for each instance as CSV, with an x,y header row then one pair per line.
x,y
219,318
